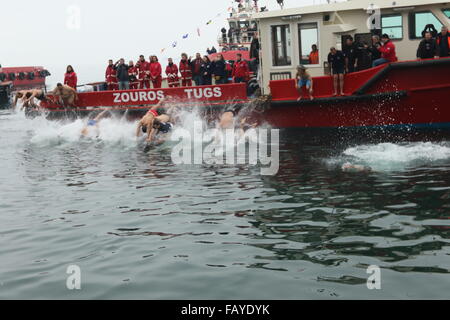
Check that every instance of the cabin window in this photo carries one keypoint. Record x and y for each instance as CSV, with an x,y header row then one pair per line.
x,y
308,36
392,25
446,12
281,45
419,20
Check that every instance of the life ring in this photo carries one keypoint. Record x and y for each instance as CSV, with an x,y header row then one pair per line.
x,y
2,77
21,76
12,76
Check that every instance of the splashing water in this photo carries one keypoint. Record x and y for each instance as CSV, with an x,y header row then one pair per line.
x,y
391,157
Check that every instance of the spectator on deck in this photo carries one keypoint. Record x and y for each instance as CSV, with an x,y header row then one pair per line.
x,y
122,74
224,35
230,35
172,74
427,47
111,76
351,55
206,71
237,33
185,71
241,71
155,72
218,70
336,60
213,50
364,57
374,53
314,55
254,47
70,78
144,73
387,49
304,79
443,42
197,74
133,74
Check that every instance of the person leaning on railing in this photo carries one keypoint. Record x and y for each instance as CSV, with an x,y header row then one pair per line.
x,y
443,43
387,50
427,48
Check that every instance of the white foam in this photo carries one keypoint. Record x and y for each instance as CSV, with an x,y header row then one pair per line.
x,y
390,156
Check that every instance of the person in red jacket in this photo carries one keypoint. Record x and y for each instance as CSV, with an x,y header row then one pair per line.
x,y
143,72
111,76
133,74
172,74
387,50
70,78
241,71
185,71
155,72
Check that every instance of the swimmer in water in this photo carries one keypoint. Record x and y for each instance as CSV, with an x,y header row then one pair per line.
x,y
245,126
64,95
94,124
161,131
228,117
348,167
27,97
157,112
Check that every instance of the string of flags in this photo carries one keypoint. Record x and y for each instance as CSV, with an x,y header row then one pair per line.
x,y
199,33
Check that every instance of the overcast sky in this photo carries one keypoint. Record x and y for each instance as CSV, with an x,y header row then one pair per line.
x,y
45,32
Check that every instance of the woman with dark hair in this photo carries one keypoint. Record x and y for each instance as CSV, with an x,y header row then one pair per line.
x,y
218,70
155,72
206,71
70,78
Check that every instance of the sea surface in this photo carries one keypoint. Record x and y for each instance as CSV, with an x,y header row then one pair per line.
x,y
139,226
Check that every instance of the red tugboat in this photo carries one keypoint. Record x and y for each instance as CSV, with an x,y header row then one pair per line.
x,y
409,93
20,78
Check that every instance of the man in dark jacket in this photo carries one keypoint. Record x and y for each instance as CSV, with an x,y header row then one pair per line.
x,y
443,43
122,74
351,55
230,35
374,53
364,57
224,35
254,47
427,47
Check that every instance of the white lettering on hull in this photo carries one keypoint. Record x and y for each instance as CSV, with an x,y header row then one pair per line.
x,y
152,96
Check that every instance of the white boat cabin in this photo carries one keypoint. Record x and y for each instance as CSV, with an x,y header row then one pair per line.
x,y
287,36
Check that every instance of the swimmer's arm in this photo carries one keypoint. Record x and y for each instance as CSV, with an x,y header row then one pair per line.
x,y
101,115
16,98
74,92
138,130
33,95
151,134
158,105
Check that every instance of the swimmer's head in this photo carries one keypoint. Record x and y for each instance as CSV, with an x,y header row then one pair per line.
x,y
156,124
355,168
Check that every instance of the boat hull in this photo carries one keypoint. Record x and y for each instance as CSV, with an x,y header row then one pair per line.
x,y
407,96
